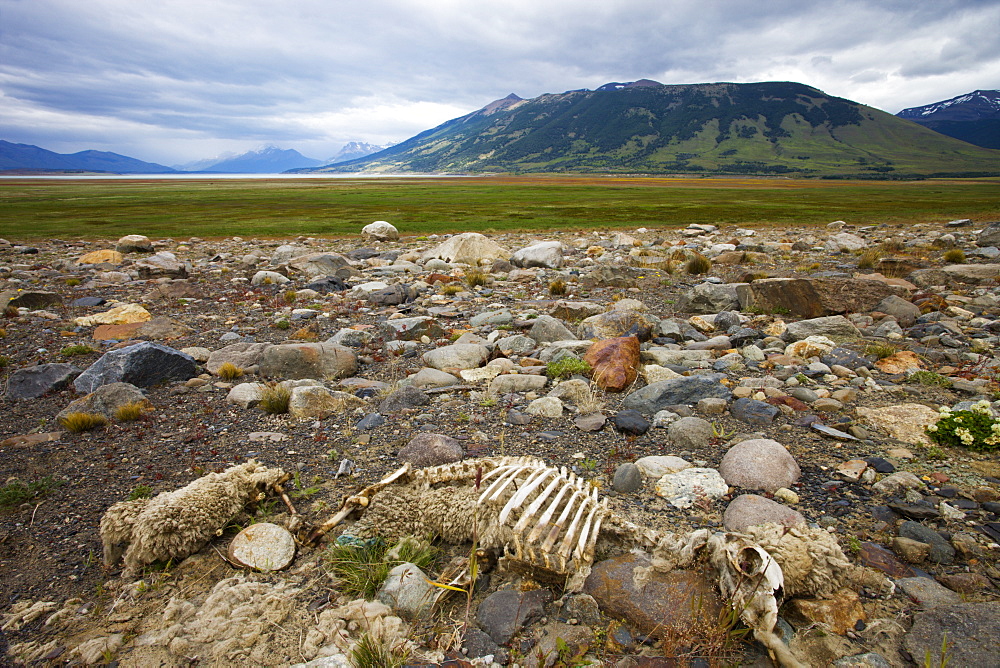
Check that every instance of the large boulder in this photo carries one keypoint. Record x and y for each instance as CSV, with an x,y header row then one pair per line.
x,y
685,390
429,449
835,327
845,242
316,265
134,243
547,254
456,356
546,329
467,248
990,236
243,354
380,230
29,299
160,264
709,298
143,365
613,324
813,297
308,360
752,509
34,381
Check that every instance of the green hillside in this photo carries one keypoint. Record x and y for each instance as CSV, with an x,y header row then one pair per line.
x,y
723,128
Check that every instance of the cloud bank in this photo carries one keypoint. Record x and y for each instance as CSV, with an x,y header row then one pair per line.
x,y
178,80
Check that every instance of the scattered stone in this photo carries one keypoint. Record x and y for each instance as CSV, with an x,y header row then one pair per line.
x,y
973,632
456,356
614,362
678,391
307,360
941,551
591,422
380,230
105,400
503,613
839,614
927,593
143,365
407,396
690,433
759,463
627,478
35,381
431,450
630,423
692,486
753,411
408,591
750,509
263,547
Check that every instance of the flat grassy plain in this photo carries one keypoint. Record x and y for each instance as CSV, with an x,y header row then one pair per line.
x,y
95,209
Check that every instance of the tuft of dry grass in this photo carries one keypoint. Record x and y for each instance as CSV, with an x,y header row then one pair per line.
x,y
274,399
229,371
132,411
557,287
954,256
699,264
474,277
79,422
868,258
450,289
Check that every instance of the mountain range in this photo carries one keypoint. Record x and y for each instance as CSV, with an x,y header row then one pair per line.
x,y
28,158
974,117
265,160
650,128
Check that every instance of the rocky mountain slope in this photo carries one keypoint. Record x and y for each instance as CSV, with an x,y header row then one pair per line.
x,y
735,377
25,157
973,117
356,149
645,127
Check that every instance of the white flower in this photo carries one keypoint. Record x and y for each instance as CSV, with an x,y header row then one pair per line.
x,y
932,428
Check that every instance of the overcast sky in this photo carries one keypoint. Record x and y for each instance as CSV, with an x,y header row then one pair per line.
x,y
172,81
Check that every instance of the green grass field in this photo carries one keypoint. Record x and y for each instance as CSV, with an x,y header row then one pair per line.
x,y
47,209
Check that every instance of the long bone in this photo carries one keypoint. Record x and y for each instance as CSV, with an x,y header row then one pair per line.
x,y
530,484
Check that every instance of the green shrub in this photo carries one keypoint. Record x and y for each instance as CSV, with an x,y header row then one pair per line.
x,y
282,323
140,492
363,567
975,428
929,378
566,367
15,492
76,349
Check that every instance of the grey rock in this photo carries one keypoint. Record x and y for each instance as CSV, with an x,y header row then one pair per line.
x,y
34,381
941,551
105,400
836,327
691,486
866,660
690,433
308,360
315,265
905,313
476,644
614,324
393,295
143,365
160,264
431,378
709,298
759,463
547,254
369,422
519,344
428,449
352,338
627,478
591,422
411,329
243,355
989,236
547,329
246,395
408,591
973,633
495,318
502,614
630,423
676,391
751,509
753,411
408,396
456,356
516,382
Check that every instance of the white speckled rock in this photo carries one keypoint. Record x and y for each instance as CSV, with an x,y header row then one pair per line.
x,y
694,485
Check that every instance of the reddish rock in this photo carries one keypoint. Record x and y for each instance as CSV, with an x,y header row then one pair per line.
x,y
116,332
965,583
877,557
668,600
791,402
615,362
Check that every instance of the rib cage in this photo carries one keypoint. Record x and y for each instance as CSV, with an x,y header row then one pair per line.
x,y
527,494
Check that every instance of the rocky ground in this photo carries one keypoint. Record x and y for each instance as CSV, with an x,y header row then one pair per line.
x,y
720,399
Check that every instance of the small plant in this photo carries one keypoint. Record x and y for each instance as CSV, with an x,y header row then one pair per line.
x,y
15,492
362,568
140,492
370,652
698,264
474,277
300,491
229,371
4,361
880,350
76,349
934,453
975,428
588,464
853,544
78,422
274,399
450,289
10,311
73,282
3,332
954,256
566,367
929,378
557,287
282,323
289,296
942,658
131,411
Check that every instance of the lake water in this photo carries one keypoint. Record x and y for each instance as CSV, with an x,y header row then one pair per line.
x,y
213,177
